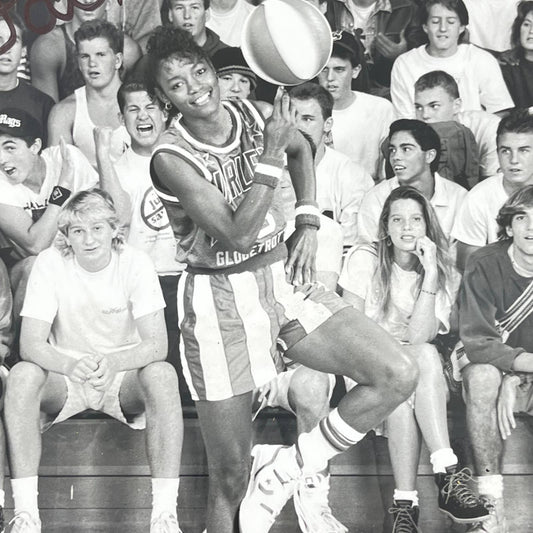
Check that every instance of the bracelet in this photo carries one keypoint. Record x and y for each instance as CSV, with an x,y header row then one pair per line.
x,y
307,210
59,195
307,219
428,292
266,174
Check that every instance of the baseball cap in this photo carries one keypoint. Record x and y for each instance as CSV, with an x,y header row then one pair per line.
x,y
230,60
349,42
18,123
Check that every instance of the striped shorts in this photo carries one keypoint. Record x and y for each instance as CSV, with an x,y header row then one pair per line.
x,y
231,326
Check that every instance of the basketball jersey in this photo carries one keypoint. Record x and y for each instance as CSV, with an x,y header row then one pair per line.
x,y
230,168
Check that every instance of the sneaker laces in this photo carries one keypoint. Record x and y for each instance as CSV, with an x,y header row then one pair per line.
x,y
22,521
456,486
311,503
403,520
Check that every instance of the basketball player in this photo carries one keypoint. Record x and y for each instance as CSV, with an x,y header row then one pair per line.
x,y
242,291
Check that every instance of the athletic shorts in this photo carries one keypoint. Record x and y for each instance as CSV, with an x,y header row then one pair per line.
x,y
524,399
231,325
81,397
280,398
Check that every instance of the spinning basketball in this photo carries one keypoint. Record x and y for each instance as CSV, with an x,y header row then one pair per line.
x,y
286,42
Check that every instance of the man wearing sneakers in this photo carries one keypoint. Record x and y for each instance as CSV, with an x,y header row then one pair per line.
x,y
235,300
496,327
93,337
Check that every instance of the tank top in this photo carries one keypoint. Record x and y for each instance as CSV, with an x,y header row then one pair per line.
x,y
71,78
82,131
230,168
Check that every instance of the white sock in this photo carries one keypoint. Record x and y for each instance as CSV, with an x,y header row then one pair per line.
x,y
491,486
164,495
25,495
411,495
441,459
2,498
331,437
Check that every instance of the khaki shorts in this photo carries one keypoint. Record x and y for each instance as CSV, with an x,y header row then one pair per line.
x,y
81,397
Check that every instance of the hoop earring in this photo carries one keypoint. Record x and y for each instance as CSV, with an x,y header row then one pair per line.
x,y
388,241
168,107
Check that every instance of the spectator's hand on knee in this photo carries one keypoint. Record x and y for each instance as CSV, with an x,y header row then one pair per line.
x,y
506,404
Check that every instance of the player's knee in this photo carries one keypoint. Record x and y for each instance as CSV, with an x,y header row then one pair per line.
x,y
401,375
24,380
481,384
309,391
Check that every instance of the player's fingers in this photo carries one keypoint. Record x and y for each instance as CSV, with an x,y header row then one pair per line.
x,y
286,105
276,110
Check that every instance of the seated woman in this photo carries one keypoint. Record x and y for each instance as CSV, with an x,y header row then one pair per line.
x,y
407,284
518,71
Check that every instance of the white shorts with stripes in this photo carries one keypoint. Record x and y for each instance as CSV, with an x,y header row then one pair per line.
x,y
231,325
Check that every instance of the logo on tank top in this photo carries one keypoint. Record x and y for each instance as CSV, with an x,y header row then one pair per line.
x,y
153,211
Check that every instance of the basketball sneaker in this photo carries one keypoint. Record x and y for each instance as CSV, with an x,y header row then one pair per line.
x,y
272,482
165,523
23,522
312,506
405,516
495,523
457,499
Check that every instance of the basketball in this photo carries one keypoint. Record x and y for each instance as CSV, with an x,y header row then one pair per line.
x,y
286,42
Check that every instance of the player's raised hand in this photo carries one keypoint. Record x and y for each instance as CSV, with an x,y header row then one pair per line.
x,y
280,128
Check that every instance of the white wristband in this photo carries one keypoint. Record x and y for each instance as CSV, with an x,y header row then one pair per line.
x,y
307,210
269,170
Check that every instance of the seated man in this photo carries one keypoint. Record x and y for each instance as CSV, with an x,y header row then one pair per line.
x,y
360,121
414,153
437,100
498,339
54,55
341,183
33,186
476,225
99,47
93,336
477,72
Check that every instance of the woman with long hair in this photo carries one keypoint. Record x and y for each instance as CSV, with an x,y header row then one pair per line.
x,y
406,282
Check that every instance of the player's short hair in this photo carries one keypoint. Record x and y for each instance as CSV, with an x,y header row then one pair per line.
x,y
167,5
518,121
133,85
424,135
522,10
167,42
18,22
314,91
456,6
517,203
91,29
94,204
437,78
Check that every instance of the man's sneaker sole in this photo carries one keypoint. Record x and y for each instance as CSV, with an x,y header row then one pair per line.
x,y
464,520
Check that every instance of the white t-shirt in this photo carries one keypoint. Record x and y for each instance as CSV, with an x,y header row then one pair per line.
x,y
477,73
150,228
359,130
484,126
358,277
340,187
490,23
446,200
34,203
92,312
229,25
476,221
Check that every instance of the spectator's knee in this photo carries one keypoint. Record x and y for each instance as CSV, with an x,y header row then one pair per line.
x,y
428,361
159,377
481,384
401,375
24,380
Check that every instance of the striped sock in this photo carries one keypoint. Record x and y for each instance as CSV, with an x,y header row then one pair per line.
x,y
331,437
